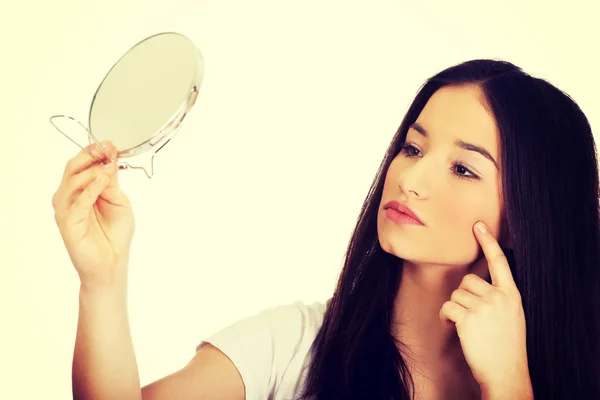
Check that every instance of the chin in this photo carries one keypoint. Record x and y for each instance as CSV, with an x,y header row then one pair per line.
x,y
389,248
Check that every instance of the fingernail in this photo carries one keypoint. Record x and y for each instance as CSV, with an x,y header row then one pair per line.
x,y
480,226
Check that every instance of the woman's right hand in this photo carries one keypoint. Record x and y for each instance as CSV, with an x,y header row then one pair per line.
x,y
95,218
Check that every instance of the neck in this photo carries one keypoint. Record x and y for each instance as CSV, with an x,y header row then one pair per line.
x,y
422,291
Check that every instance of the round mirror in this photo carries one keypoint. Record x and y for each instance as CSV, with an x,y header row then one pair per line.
x,y
142,101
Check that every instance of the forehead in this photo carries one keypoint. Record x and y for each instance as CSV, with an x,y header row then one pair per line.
x,y
459,112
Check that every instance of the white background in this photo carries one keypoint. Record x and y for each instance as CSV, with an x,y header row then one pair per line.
x,y
254,201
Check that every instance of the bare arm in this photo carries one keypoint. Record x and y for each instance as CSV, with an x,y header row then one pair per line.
x,y
104,364
210,375
96,222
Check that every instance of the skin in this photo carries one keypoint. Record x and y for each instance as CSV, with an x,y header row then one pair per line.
x,y
438,254
96,223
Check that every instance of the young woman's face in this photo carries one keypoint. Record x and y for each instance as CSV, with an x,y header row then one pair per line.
x,y
447,185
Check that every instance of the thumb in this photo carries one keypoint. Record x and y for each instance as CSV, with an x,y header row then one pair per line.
x,y
113,194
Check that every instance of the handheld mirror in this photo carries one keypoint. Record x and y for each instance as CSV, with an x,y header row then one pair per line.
x,y
142,101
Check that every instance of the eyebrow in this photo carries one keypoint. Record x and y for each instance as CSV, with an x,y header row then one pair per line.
x,y
459,143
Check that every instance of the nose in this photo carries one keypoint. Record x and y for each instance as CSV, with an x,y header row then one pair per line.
x,y
413,180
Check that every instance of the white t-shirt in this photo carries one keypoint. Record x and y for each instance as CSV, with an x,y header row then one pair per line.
x,y
271,349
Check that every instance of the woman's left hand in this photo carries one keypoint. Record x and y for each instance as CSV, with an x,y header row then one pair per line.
x,y
490,323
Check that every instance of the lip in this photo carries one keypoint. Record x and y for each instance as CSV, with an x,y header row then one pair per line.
x,y
395,205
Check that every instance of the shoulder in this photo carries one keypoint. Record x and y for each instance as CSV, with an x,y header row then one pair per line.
x,y
271,348
297,319
282,322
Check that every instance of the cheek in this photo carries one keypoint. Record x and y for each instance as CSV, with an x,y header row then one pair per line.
x,y
458,213
390,178
464,207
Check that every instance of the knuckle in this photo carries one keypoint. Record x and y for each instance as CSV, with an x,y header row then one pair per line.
x,y
446,305
473,276
456,294
515,297
70,166
58,218
497,297
58,201
470,278
74,183
71,185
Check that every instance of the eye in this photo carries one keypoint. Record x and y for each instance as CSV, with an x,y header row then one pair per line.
x,y
408,151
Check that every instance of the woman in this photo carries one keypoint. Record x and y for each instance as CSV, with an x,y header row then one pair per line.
x,y
424,309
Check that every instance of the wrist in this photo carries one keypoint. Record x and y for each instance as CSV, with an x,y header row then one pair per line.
x,y
113,281
116,289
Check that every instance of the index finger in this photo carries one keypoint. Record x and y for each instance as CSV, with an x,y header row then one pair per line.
x,y
497,263
87,157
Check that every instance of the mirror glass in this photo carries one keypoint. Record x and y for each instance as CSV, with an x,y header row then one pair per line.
x,y
142,101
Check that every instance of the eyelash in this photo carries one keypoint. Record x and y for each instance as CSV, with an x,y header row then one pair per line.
x,y
403,150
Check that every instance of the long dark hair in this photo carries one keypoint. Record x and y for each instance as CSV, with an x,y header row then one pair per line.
x,y
551,194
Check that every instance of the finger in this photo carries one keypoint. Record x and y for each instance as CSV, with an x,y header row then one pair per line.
x,y
113,153
79,182
72,187
451,311
497,262
82,160
113,194
465,299
475,284
87,157
88,197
